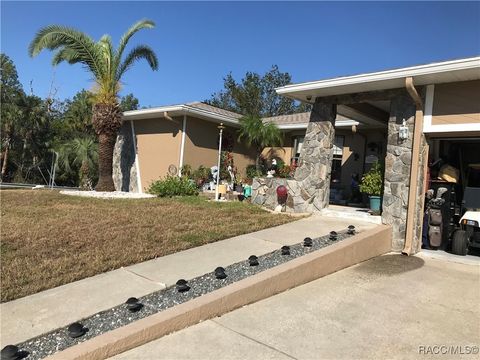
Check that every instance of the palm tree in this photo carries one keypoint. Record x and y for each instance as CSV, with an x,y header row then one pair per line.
x,y
107,66
81,152
259,135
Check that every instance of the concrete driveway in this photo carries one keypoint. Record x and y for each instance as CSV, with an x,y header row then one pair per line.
x,y
389,307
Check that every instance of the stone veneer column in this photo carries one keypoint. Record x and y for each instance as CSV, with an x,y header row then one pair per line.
x,y
311,190
397,169
124,167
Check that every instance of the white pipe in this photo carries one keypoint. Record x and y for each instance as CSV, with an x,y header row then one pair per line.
x,y
182,145
219,156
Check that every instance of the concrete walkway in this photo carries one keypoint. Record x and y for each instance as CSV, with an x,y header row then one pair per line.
x,y
33,315
391,307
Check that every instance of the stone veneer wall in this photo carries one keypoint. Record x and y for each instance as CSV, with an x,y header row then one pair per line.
x,y
397,174
310,189
124,167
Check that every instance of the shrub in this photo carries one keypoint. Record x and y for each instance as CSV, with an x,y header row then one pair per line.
x,y
187,170
252,172
201,175
285,171
173,186
372,181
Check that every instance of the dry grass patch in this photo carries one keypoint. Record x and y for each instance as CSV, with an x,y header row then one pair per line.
x,y
49,239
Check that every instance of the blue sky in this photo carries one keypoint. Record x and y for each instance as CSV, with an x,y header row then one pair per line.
x,y
198,43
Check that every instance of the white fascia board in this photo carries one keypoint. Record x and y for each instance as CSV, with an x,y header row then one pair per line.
x,y
338,123
413,71
343,123
292,126
130,115
180,110
453,128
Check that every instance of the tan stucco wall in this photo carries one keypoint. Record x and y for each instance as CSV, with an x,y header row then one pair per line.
x,y
356,143
158,146
456,103
201,147
285,152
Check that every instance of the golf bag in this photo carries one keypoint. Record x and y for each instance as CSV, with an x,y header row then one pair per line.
x,y
435,219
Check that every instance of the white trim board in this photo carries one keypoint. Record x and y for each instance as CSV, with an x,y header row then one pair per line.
x,y
428,128
427,117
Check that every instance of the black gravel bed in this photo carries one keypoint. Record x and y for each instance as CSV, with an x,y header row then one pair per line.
x,y
57,340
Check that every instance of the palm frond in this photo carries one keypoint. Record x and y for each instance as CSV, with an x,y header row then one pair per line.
x,y
142,24
65,54
255,132
137,53
53,37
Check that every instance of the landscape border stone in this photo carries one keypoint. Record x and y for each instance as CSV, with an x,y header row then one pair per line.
x,y
351,251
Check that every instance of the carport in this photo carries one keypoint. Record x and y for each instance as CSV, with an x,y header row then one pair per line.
x,y
401,98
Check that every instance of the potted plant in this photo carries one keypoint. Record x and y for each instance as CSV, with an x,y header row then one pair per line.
x,y
238,183
372,184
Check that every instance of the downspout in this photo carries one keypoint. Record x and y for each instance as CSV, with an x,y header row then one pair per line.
x,y
414,167
182,144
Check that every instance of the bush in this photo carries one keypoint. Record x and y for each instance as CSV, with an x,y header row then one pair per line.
x,y
201,175
187,170
173,186
372,181
252,172
285,171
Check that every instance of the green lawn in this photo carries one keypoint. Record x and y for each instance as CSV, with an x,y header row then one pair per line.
x,y
49,239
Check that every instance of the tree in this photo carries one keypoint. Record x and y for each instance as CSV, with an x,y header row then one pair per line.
x,y
255,95
77,117
33,135
129,102
107,66
11,94
259,134
82,153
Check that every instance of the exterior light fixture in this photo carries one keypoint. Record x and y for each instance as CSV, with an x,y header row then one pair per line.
x,y
307,242
220,273
351,230
10,352
253,260
285,250
403,131
182,286
333,235
76,330
133,305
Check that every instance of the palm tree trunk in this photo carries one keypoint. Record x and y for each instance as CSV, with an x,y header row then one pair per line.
x,y
105,161
85,176
107,120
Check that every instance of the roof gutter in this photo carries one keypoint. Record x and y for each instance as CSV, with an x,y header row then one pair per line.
x,y
412,191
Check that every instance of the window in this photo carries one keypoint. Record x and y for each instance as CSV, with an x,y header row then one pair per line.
x,y
297,148
337,160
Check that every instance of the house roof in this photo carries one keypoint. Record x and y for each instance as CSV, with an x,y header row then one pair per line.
x,y
214,109
197,109
434,73
212,113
